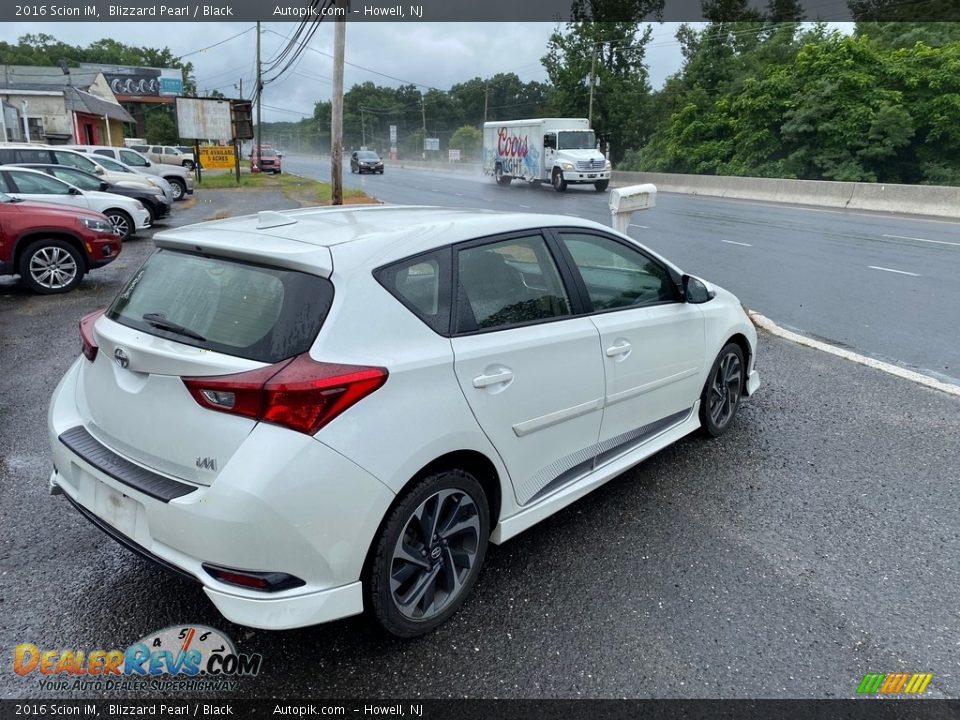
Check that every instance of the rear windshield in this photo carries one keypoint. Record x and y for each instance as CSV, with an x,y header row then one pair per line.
x,y
251,311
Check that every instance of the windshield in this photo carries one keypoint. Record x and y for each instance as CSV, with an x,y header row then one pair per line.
x,y
367,155
576,140
113,165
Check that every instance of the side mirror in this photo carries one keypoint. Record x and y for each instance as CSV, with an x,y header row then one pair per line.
x,y
104,185
73,191
695,292
99,170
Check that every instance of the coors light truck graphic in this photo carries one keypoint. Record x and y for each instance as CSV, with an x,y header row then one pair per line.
x,y
559,151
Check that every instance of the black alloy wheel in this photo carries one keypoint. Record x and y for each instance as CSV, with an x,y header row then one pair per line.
x,y
429,553
721,395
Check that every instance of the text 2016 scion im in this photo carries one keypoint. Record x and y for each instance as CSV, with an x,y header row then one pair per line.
x,y
318,411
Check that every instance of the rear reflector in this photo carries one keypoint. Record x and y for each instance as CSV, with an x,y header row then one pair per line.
x,y
266,581
301,393
87,340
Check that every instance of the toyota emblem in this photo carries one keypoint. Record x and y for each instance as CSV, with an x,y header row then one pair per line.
x,y
121,357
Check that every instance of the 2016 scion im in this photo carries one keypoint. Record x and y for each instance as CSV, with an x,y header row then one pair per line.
x,y
323,410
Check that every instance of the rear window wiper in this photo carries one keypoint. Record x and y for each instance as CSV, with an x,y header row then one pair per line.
x,y
158,320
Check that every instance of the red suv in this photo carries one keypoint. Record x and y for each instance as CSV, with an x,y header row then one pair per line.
x,y
266,160
52,247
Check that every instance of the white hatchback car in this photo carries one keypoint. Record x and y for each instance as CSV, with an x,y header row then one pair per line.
x,y
126,214
320,410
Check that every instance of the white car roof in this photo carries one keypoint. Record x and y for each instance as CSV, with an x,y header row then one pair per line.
x,y
377,233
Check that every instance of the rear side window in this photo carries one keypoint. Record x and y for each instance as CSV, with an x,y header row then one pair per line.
x,y
31,156
37,184
422,283
251,311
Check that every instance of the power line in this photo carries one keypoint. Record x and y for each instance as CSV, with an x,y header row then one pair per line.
x,y
208,47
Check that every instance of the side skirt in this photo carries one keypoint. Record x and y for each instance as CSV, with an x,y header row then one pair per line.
x,y
607,469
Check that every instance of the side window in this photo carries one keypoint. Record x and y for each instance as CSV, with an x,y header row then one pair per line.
x,y
618,276
101,151
422,283
4,185
508,283
38,184
73,160
170,151
132,159
157,149
32,156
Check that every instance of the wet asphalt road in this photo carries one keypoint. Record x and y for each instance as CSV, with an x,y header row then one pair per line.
x,y
817,541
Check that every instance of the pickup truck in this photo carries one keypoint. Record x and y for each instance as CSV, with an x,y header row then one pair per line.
x,y
167,154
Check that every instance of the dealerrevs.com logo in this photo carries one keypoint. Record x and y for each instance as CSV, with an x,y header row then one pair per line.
x,y
180,657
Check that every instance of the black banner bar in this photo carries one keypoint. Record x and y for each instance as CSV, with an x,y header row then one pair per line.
x,y
866,709
41,11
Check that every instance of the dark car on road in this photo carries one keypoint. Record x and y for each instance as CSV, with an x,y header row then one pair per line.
x,y
362,161
52,246
156,204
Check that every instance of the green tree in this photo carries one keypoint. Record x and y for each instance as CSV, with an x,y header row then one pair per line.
x,y
468,140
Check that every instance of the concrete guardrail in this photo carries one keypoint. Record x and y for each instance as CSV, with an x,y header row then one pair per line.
x,y
935,200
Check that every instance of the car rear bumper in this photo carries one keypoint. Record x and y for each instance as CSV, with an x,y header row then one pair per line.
x,y
269,509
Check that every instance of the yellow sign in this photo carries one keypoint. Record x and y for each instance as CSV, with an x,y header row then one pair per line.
x,y
217,157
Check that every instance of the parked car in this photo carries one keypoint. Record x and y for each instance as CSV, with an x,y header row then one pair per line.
x,y
52,247
266,160
179,178
156,182
156,204
127,215
362,161
167,154
11,154
323,410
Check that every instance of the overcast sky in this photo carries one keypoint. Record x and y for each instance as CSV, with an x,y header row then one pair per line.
x,y
428,54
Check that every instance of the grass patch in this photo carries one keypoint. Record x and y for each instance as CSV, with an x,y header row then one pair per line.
x,y
300,189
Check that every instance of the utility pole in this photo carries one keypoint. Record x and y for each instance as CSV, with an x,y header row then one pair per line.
x,y
423,111
593,77
486,97
259,94
336,115
363,127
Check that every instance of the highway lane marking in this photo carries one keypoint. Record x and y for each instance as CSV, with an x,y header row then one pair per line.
x,y
770,326
525,206
639,226
734,242
938,242
899,272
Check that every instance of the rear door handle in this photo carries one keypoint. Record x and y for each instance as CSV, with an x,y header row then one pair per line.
x,y
501,376
620,348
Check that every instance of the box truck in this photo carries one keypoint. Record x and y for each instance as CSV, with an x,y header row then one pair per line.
x,y
559,151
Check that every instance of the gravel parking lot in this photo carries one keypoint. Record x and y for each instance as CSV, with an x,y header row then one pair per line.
x,y
815,542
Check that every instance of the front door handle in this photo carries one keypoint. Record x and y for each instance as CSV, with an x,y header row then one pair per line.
x,y
501,376
621,347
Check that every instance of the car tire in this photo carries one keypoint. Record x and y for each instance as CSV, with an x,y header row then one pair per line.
x,y
501,178
122,223
179,188
559,184
722,391
601,185
50,266
416,583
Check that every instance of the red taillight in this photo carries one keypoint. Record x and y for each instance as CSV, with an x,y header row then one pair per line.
x,y
301,394
88,344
